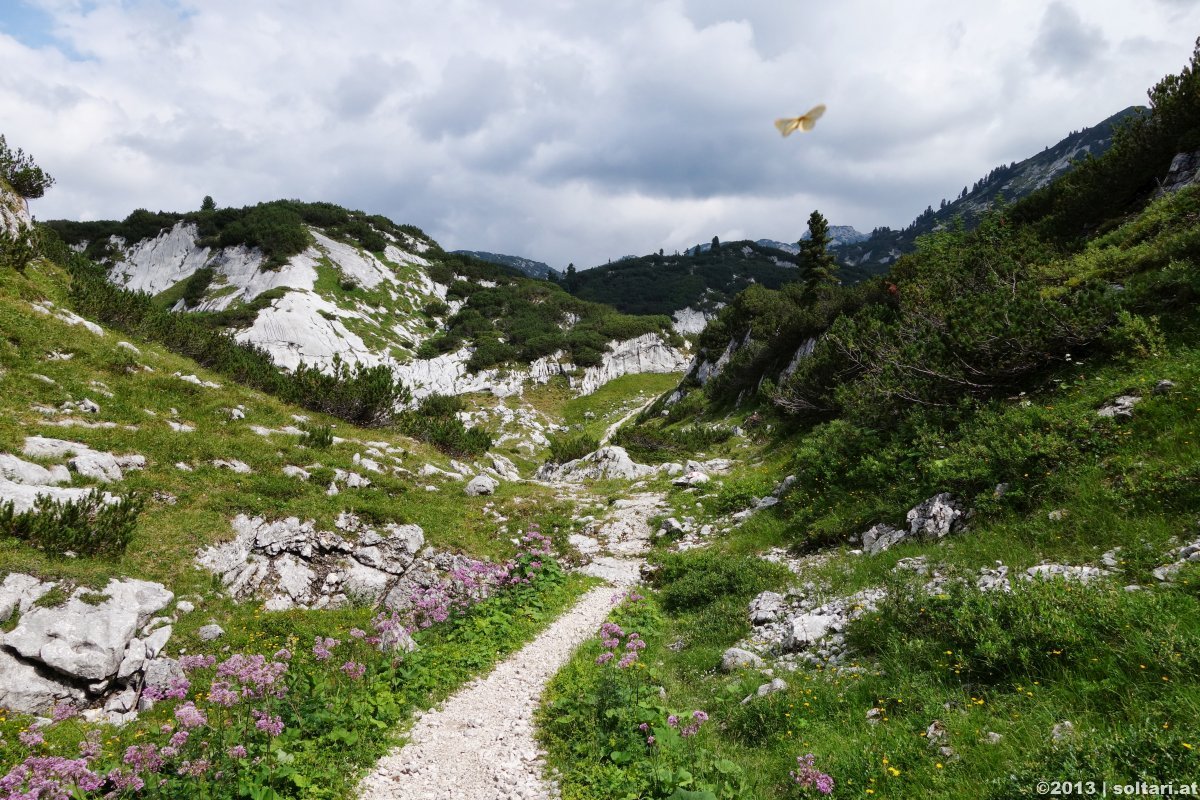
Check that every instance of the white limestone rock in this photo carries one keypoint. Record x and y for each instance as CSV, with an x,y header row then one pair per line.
x,y
735,658
28,689
84,641
18,592
480,485
607,462
18,471
882,537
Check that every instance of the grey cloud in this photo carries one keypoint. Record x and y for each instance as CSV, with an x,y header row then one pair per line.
x,y
1065,43
472,88
367,81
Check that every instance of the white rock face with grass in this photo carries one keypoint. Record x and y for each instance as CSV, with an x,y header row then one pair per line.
x,y
81,649
290,564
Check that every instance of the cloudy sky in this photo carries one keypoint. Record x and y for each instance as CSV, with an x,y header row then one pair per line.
x,y
564,131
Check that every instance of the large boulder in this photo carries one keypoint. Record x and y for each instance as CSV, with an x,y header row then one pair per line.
x,y
610,461
24,472
29,690
84,641
481,484
736,658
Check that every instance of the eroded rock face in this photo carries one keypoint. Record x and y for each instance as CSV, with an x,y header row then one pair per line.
x,y
935,518
290,564
14,215
85,641
78,651
646,353
607,462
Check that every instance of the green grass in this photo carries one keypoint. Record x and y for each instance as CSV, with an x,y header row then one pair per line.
x,y
168,535
1119,665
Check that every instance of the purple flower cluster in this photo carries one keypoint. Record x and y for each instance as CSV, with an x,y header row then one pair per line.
x,y
189,716
808,776
143,758
267,723
323,647
693,727
354,669
49,778
253,676
611,635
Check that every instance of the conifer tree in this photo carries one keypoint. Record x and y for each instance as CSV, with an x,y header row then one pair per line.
x,y
819,262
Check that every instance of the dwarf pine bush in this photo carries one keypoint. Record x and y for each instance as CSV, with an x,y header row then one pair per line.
x,y
88,526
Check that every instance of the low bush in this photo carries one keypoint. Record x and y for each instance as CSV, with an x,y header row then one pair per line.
x,y
1041,629
88,526
436,421
318,436
693,579
566,447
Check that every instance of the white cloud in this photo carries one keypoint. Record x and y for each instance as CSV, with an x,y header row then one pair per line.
x,y
560,131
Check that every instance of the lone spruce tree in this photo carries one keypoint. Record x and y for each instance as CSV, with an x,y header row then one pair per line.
x,y
820,264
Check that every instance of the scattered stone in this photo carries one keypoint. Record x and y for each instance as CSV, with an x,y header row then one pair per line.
x,y
129,347
236,413
882,537
1066,572
1062,731
208,633
195,380
935,518
767,607
1120,407
991,737
735,658
481,485
233,465
936,733
293,471
183,466
180,427
185,607
776,685
1058,515
874,716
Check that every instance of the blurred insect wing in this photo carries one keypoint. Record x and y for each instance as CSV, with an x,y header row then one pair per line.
x,y
801,123
787,126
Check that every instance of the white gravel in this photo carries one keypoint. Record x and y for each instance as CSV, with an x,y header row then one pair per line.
x,y
480,744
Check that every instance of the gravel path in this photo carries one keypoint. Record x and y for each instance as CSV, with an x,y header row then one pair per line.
x,y
480,745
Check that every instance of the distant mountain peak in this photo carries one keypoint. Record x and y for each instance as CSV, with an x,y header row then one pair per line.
x,y
534,269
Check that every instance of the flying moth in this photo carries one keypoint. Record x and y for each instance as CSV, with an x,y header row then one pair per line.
x,y
804,122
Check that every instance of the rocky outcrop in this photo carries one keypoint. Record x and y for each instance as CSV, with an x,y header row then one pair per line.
x,y
1183,172
14,214
607,462
646,353
22,482
290,564
933,519
690,320
94,644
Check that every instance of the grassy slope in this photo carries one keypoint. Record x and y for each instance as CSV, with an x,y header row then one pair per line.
x,y
1121,666
168,534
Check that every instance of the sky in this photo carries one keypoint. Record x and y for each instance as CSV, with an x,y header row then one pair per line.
x,y
567,132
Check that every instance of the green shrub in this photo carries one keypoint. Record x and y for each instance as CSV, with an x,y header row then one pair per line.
x,y
18,169
658,445
566,447
88,526
1039,629
318,436
436,421
693,579
197,284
